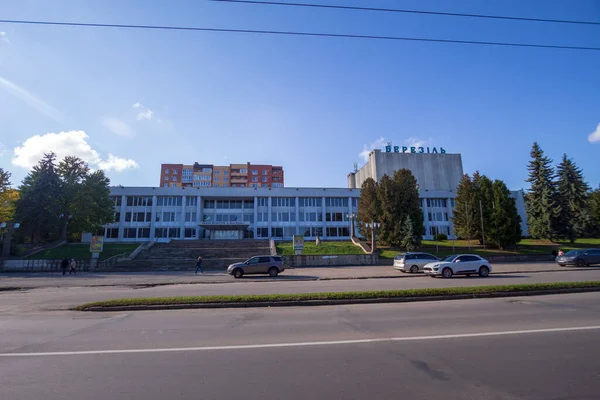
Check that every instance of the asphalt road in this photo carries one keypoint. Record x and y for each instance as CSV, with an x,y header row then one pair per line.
x,y
520,348
62,298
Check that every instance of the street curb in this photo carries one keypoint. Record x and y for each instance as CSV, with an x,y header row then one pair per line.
x,y
311,303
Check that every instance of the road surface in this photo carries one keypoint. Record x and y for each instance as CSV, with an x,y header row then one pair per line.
x,y
62,298
519,348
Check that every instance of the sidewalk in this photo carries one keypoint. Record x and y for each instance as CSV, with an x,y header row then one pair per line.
x,y
145,279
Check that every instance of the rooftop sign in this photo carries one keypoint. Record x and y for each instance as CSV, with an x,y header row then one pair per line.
x,y
413,149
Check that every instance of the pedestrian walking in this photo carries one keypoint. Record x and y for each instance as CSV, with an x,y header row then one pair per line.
x,y
554,254
73,266
199,266
63,265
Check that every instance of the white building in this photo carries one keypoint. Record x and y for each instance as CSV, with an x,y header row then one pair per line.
x,y
144,213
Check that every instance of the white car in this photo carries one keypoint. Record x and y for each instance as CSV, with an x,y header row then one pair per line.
x,y
413,262
459,264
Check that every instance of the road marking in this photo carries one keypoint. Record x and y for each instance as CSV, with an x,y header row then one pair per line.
x,y
301,344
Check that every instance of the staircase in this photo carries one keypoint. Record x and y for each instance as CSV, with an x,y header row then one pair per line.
x,y
181,255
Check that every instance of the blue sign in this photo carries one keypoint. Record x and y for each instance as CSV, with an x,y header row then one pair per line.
x,y
415,150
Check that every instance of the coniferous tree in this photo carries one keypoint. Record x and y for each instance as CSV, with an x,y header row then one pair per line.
x,y
464,210
541,199
572,194
410,240
593,207
368,205
504,229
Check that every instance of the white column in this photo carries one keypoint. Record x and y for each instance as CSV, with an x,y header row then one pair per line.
x,y
425,219
350,211
182,221
450,212
255,216
297,215
122,216
199,211
153,218
270,232
324,219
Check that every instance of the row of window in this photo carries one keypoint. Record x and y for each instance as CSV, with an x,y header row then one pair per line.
x,y
439,202
229,204
437,216
336,202
264,172
434,230
217,172
230,218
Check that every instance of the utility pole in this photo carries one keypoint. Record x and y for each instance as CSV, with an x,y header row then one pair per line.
x,y
435,233
481,215
468,227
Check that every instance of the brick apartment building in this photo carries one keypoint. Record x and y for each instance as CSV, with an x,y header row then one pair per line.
x,y
233,175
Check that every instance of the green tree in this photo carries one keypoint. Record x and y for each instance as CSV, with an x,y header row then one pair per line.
x,y
388,233
541,200
593,207
8,197
368,205
73,172
504,228
38,207
464,219
572,191
410,240
406,203
482,205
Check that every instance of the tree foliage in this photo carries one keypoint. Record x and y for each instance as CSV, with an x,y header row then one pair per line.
x,y
541,200
573,216
8,197
504,226
368,205
409,238
68,197
464,219
593,206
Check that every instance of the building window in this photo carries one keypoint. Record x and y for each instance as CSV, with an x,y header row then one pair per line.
x,y
112,233
244,170
166,185
254,185
173,185
262,232
225,179
217,172
225,172
207,170
191,201
143,233
166,171
264,179
175,171
255,179
254,172
190,232
264,185
278,185
166,177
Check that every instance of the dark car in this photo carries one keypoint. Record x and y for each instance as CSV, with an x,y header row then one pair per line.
x,y
581,258
271,265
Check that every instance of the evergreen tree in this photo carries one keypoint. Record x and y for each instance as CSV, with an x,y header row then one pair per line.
x,y
406,203
593,209
368,205
464,210
572,191
482,205
385,196
8,197
504,229
410,240
541,199
38,207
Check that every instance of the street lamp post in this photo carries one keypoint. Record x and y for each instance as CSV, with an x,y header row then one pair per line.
x,y
351,216
10,227
373,226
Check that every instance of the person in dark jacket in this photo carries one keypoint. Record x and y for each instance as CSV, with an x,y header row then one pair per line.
x,y
199,266
63,265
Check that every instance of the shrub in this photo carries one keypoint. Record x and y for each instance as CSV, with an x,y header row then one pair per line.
x,y
440,237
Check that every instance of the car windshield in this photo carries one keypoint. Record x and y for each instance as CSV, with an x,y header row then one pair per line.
x,y
399,257
573,253
450,258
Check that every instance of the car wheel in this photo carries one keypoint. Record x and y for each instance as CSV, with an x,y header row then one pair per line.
x,y
447,272
432,276
468,275
581,263
273,272
238,273
484,271
414,269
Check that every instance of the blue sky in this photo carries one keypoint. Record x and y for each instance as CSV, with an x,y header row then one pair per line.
x,y
128,100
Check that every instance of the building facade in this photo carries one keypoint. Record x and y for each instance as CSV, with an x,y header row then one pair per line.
x,y
147,213
233,175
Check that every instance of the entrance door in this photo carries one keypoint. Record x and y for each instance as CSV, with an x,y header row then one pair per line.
x,y
226,235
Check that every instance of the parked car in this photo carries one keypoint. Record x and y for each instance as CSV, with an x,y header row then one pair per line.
x,y
271,265
581,258
459,264
413,262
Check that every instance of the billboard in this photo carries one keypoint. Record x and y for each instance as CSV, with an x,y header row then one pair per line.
x,y
298,242
97,244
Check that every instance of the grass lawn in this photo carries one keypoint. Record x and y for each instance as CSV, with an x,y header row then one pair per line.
x,y
325,248
378,294
82,251
526,246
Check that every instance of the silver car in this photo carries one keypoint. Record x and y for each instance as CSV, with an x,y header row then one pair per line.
x,y
271,265
413,262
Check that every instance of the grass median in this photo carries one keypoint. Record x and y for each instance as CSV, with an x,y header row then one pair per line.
x,y
366,295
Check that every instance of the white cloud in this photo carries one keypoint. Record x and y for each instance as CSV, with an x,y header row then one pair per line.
x,y
4,38
117,163
377,144
71,143
145,112
144,115
418,142
32,100
118,127
594,137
